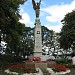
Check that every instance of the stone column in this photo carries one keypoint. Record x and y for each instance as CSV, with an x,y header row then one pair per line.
x,y
73,60
37,38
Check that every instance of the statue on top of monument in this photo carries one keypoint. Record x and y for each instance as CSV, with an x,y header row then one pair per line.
x,y
36,7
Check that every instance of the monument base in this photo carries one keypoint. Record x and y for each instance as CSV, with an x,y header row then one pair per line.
x,y
39,54
36,54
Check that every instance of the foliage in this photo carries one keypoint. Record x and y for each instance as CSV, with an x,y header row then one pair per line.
x,y
46,34
10,26
6,60
9,15
27,42
47,39
69,65
62,61
68,31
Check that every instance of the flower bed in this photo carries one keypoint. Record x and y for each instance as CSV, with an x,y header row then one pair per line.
x,y
24,70
29,68
39,72
58,70
36,59
18,68
58,73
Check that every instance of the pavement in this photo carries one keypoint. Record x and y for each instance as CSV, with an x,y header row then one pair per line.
x,y
72,71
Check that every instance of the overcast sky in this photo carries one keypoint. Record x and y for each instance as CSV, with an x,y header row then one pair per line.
x,y
51,13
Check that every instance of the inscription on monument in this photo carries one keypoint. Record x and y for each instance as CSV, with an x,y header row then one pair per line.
x,y
38,38
38,46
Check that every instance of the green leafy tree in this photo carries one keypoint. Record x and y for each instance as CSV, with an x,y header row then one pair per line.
x,y
27,42
67,35
10,26
47,38
47,34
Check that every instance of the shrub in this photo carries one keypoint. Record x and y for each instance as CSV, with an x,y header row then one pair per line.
x,y
62,61
59,68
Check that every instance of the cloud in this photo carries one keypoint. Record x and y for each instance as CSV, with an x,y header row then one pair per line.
x,y
52,18
56,28
57,12
25,19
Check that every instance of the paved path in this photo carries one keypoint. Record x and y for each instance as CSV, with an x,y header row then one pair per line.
x,y
72,71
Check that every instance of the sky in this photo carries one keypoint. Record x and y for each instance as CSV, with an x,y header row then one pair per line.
x,y
51,13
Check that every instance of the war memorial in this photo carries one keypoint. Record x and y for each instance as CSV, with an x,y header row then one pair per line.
x,y
40,66
37,30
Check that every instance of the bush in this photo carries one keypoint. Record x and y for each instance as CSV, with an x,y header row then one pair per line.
x,y
70,66
6,60
62,61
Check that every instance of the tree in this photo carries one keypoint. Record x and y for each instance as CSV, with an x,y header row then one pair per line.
x,y
10,26
67,35
46,34
27,42
47,38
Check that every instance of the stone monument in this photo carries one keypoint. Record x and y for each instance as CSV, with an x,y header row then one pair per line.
x,y
73,60
37,31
